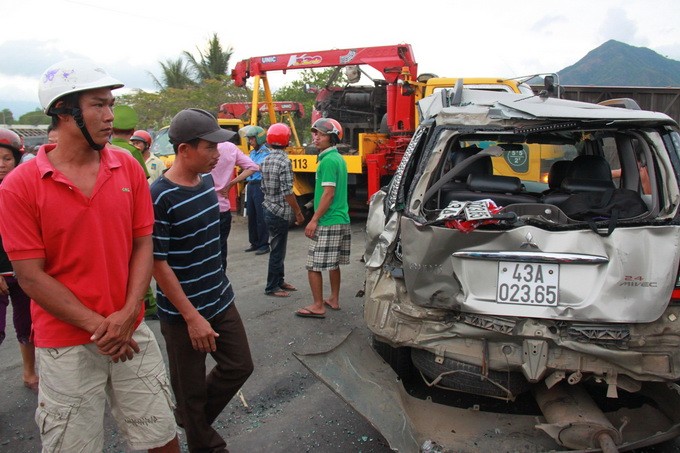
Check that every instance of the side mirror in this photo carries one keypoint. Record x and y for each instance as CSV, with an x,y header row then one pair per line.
x,y
549,84
551,89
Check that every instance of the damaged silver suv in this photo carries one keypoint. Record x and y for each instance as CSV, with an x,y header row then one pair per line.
x,y
530,245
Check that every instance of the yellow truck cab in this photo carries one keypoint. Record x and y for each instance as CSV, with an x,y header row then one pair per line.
x,y
234,125
435,84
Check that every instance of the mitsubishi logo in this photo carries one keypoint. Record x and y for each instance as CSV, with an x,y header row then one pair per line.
x,y
528,242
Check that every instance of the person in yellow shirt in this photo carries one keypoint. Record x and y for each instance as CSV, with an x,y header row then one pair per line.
x,y
141,140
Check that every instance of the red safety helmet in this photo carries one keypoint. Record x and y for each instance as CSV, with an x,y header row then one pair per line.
x,y
328,126
12,141
278,134
142,136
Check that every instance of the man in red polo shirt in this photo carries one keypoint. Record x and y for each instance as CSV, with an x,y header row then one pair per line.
x,y
76,224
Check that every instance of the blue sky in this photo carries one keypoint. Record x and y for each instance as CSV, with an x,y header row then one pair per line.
x,y
450,38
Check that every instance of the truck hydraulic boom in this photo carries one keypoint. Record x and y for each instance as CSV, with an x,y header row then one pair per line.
x,y
396,64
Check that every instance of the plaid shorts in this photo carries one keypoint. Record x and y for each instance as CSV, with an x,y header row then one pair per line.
x,y
329,248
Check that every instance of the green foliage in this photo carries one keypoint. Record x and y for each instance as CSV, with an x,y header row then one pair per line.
x,y
176,74
6,116
213,64
203,83
195,82
155,110
34,118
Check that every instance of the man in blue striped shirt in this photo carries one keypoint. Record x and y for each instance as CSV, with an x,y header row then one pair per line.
x,y
195,298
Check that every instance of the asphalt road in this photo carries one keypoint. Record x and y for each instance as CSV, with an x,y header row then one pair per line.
x,y
283,407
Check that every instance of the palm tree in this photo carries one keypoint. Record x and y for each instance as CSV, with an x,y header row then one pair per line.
x,y
176,74
214,64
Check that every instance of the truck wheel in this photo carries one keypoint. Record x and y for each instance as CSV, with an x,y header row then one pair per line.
x,y
468,379
399,359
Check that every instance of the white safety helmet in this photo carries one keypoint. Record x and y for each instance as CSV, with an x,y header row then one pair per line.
x,y
71,76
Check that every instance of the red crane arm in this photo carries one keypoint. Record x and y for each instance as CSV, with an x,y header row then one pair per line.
x,y
239,109
389,60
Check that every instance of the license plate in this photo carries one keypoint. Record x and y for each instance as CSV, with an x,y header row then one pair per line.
x,y
477,210
528,283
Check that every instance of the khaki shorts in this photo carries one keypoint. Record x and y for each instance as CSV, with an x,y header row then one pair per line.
x,y
77,381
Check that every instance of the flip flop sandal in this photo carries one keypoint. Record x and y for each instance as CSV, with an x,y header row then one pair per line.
x,y
305,313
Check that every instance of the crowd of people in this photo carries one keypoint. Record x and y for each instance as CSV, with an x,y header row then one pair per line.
x,y
93,216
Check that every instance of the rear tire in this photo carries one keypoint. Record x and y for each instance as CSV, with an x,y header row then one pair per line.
x,y
468,379
399,359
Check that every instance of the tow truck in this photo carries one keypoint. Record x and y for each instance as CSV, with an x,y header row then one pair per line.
x,y
379,120
233,115
369,153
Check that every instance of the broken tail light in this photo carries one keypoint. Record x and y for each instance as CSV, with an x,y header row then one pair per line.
x,y
675,295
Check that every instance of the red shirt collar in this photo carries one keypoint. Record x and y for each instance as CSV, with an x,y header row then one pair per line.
x,y
108,158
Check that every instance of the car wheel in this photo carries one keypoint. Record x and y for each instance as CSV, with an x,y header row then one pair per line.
x,y
468,377
399,359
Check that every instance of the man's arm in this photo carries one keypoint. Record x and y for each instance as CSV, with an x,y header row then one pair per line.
x,y
287,178
248,167
324,204
200,331
4,288
291,199
117,328
53,296
241,177
245,162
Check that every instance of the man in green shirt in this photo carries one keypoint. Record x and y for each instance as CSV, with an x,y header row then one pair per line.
x,y
329,228
124,123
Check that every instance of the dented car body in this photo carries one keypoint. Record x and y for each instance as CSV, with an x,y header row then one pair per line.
x,y
564,287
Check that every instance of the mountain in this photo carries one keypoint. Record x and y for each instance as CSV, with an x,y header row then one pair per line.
x,y
618,64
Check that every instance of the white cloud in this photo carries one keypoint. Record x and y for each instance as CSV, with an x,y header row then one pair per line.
x,y
19,88
450,38
546,24
617,25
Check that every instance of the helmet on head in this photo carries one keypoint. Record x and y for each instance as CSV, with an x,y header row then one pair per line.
x,y
257,132
328,126
11,141
278,134
142,136
71,76
124,117
68,77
